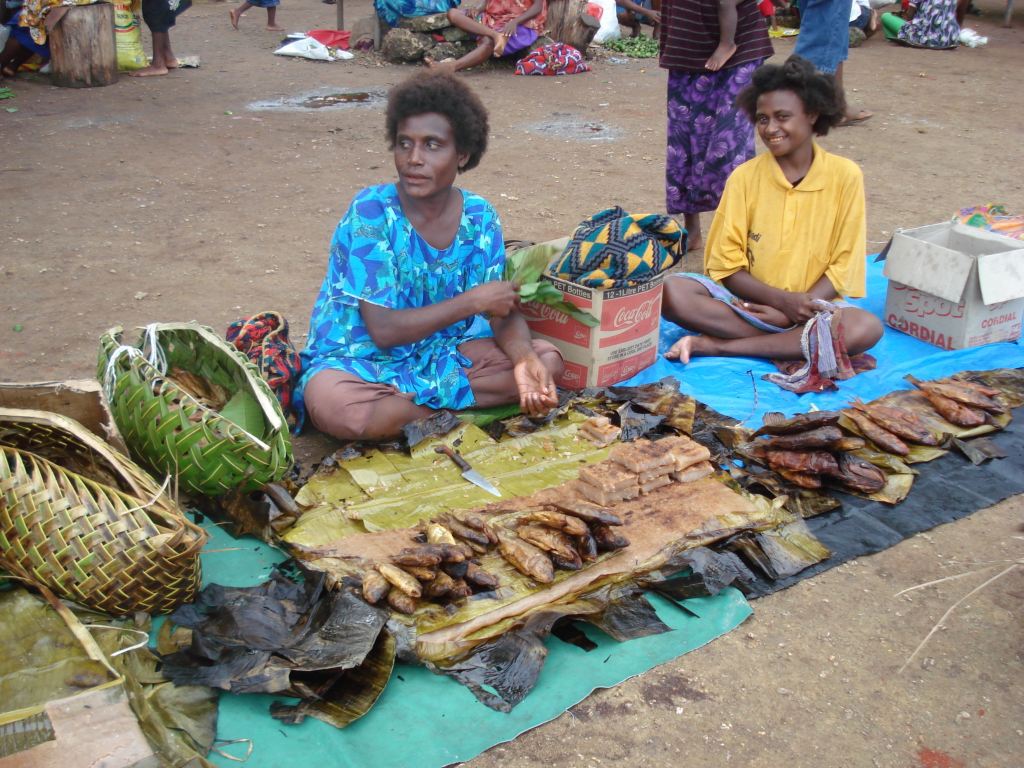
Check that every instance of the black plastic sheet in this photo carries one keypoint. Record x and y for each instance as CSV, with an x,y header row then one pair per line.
x,y
947,489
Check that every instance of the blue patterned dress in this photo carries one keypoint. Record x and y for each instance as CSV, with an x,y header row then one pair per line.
x,y
378,257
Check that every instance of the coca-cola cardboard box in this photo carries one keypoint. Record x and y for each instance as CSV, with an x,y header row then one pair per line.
x,y
955,286
623,344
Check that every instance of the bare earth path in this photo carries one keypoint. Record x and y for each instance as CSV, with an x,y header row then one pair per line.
x,y
172,199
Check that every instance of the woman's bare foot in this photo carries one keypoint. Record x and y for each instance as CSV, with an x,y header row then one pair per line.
x,y
153,70
274,28
691,346
444,65
234,18
694,244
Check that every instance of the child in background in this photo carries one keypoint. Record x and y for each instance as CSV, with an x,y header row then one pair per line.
x,y
502,27
160,16
629,15
270,5
864,17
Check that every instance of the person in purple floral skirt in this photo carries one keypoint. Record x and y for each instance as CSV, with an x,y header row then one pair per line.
x,y
709,63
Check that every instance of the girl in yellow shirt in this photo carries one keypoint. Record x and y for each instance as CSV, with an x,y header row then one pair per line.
x,y
787,235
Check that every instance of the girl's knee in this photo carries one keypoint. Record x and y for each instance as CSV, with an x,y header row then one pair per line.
x,y
862,330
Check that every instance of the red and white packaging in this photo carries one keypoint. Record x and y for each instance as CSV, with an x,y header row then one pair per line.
x,y
623,344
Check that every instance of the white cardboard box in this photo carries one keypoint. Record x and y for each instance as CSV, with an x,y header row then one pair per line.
x,y
955,286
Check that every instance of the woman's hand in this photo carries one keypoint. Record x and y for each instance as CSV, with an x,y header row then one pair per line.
x,y
495,299
509,29
537,394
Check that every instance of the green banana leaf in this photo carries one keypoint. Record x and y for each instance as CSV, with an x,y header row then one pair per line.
x,y
526,268
386,489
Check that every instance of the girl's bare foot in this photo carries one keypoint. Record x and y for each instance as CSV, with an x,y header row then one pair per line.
x,y
694,244
274,28
153,70
691,346
234,18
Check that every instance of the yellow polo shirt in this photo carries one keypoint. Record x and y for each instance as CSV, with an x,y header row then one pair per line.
x,y
788,237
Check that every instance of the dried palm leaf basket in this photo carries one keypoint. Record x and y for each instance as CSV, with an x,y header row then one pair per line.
x,y
190,406
85,521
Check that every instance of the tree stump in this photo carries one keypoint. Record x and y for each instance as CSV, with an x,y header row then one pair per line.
x,y
569,23
82,48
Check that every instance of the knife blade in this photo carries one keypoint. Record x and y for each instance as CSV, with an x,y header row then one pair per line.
x,y
468,472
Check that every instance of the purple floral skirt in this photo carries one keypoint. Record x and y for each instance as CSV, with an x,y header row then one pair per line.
x,y
707,135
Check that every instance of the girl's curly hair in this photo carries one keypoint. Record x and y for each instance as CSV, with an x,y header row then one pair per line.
x,y
819,93
445,95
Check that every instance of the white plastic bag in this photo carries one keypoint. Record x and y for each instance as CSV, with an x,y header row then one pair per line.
x,y
972,39
308,48
609,29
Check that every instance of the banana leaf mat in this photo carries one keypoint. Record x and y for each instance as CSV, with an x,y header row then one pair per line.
x,y
947,489
423,720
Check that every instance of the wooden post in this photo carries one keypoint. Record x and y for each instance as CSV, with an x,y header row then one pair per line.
x,y
82,47
569,23
340,6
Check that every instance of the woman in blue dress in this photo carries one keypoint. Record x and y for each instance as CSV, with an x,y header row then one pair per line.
x,y
413,314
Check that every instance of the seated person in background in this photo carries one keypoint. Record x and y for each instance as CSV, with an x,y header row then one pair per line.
x,y
927,24
788,233
21,45
864,17
413,314
502,28
632,14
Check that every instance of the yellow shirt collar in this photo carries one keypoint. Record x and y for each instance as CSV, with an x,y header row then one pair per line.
x,y
816,175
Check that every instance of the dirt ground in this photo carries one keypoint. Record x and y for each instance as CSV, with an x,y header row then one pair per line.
x,y
176,198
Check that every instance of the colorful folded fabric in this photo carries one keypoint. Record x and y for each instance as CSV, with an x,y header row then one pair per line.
x,y
263,338
552,59
615,249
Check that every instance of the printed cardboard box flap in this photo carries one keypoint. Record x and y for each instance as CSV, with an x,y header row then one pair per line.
x,y
940,259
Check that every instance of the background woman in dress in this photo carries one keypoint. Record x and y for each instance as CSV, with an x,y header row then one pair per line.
x,y
711,50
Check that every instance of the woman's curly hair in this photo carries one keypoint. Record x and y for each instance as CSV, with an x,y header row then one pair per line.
x,y
819,93
445,95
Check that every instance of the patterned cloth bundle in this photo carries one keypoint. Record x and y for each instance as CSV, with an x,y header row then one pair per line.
x,y
615,249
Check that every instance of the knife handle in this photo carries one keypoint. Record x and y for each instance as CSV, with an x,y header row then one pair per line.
x,y
447,451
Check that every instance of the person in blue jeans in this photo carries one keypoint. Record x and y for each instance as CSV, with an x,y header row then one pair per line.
x,y
825,41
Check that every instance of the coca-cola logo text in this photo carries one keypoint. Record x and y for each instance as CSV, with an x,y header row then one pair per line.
x,y
629,317
534,311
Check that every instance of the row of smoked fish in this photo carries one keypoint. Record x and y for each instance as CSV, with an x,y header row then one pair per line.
x,y
444,565
811,448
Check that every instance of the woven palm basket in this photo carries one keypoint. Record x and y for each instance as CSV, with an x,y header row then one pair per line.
x,y
85,521
167,428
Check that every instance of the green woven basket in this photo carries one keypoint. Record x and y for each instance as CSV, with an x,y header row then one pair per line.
x,y
85,521
175,433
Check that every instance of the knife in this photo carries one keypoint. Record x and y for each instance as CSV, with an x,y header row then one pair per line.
x,y
467,471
